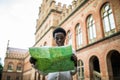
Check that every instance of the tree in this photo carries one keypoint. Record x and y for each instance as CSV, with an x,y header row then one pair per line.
x,y
1,68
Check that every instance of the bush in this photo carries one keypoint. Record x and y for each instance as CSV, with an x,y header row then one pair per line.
x,y
1,68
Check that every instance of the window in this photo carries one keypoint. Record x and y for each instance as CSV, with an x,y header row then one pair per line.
x,y
78,36
91,29
80,68
8,77
10,67
19,68
108,20
69,38
45,43
17,78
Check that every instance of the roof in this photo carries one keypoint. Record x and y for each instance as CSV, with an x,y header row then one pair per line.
x,y
16,53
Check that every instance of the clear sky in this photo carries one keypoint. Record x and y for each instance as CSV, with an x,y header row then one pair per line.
x,y
18,22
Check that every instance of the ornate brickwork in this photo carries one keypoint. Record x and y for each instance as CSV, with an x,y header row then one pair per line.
x,y
16,53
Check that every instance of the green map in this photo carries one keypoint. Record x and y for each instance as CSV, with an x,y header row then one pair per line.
x,y
52,59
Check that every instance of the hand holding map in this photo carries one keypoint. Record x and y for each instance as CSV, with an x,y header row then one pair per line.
x,y
52,59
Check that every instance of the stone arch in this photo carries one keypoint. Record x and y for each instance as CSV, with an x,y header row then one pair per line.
x,y
95,73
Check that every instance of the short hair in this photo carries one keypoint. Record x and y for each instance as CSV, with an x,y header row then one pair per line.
x,y
59,29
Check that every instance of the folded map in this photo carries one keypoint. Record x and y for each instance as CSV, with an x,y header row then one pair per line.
x,y
52,59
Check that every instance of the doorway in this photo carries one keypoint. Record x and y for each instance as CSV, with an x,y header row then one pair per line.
x,y
113,63
95,69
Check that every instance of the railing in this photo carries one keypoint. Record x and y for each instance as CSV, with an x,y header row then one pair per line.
x,y
96,75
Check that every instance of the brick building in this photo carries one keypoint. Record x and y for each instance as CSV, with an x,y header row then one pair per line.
x,y
93,30
14,64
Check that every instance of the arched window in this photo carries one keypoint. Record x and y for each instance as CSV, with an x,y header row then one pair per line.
x,y
69,38
78,36
80,69
10,67
8,77
45,43
108,20
17,78
91,29
19,68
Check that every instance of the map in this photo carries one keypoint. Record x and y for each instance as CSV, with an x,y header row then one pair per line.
x,y
52,59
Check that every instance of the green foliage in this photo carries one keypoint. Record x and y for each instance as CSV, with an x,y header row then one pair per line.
x,y
1,68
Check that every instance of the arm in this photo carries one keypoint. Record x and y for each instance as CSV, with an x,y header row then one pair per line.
x,y
33,61
74,59
73,72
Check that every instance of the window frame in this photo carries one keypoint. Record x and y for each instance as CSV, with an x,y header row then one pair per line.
x,y
108,20
10,67
19,67
78,36
69,38
80,67
91,28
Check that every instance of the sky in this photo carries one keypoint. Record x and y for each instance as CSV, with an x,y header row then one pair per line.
x,y
18,22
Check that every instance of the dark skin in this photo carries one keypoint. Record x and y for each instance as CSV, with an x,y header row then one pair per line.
x,y
59,38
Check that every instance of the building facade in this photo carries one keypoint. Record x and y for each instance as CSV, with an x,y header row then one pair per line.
x,y
14,64
93,30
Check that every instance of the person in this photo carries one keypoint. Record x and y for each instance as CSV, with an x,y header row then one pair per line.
x,y
59,35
